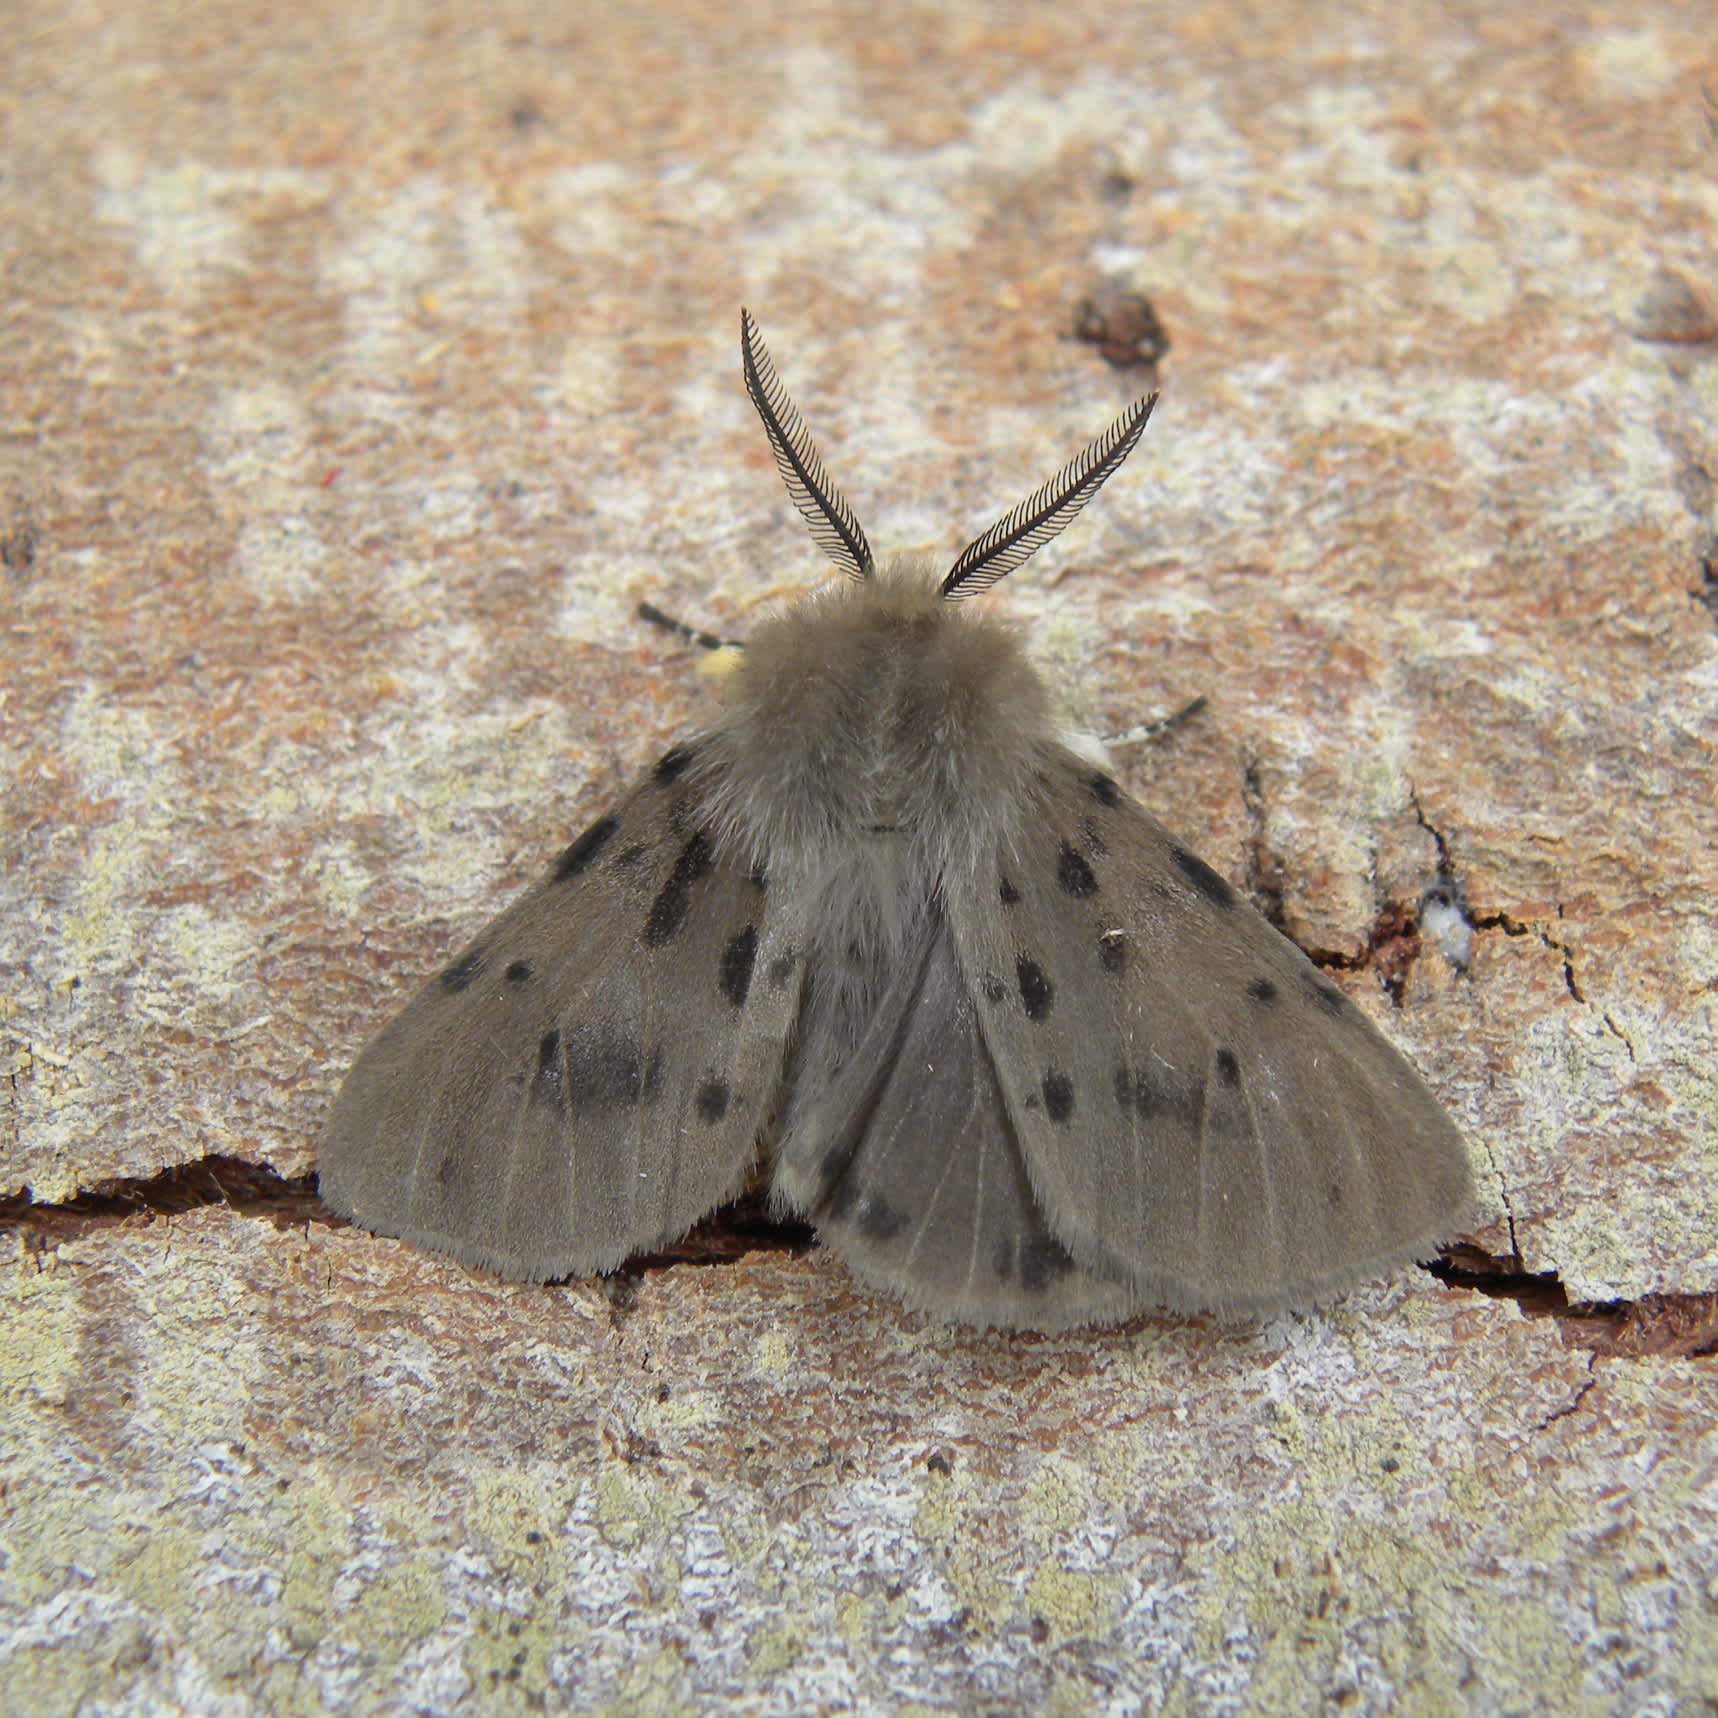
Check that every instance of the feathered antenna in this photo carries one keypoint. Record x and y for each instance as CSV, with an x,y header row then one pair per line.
x,y
825,508
1019,534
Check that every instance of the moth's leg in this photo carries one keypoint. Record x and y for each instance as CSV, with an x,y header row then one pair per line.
x,y
1163,725
686,634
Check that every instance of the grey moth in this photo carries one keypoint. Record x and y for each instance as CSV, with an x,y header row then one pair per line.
x,y
880,931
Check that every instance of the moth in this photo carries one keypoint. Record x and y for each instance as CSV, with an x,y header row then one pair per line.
x,y
881,929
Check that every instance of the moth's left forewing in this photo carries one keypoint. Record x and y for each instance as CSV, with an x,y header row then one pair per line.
x,y
1193,1098
592,1073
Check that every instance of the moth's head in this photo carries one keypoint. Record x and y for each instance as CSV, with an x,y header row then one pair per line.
x,y
874,711
837,625
1013,539
851,642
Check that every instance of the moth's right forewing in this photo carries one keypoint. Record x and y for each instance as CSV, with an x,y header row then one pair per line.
x,y
1194,1099
590,1075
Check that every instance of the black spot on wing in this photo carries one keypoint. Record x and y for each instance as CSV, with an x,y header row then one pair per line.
x,y
878,1220
667,915
1009,894
1058,1092
1324,993
1203,878
1044,1261
780,970
1073,874
1262,990
1103,789
673,762
1037,993
1228,1069
578,858
548,1083
459,975
737,959
608,1069
1148,1095
1039,1261
1112,951
628,858
874,1217
520,972
711,1101
993,987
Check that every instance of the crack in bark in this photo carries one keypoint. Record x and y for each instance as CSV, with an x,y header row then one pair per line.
x,y
1651,1325
1393,943
1617,1032
1676,1325
1446,866
1501,921
1573,1405
1264,864
742,1226
1395,937
1445,891
1509,1216
15,1112
287,1201
1706,593
1684,1325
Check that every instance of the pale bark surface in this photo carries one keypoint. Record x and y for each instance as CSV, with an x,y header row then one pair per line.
x,y
361,377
